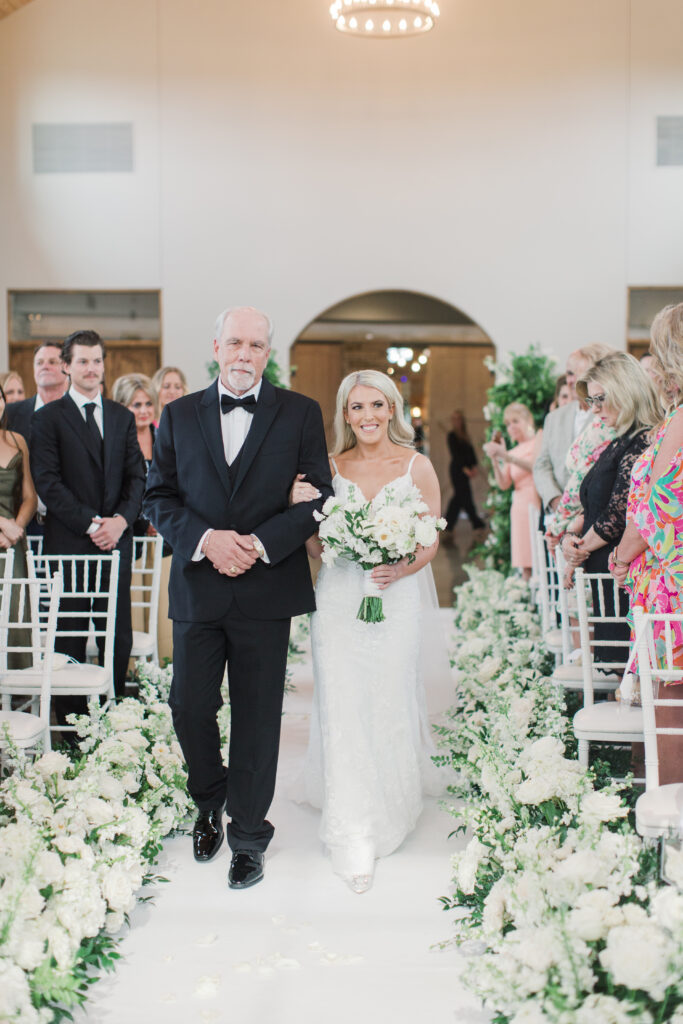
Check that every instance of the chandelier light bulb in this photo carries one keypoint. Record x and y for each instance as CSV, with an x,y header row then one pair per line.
x,y
384,18
415,367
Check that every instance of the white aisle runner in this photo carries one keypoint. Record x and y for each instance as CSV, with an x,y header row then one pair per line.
x,y
300,947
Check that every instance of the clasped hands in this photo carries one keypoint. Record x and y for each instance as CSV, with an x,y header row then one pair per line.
x,y
495,450
10,533
109,531
230,553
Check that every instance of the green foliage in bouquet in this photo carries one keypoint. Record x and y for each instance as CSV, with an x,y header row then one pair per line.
x,y
272,372
530,379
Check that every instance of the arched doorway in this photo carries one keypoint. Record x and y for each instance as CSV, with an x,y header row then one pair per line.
x,y
445,371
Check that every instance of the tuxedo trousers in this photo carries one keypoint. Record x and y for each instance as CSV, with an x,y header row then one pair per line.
x,y
255,653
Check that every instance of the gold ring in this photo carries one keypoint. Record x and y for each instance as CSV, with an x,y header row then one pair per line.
x,y
232,570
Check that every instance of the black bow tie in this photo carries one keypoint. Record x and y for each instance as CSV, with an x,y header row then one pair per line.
x,y
228,403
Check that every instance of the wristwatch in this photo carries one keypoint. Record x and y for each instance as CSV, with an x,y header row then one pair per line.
x,y
258,546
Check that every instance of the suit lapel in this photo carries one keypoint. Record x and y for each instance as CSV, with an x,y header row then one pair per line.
x,y
266,408
109,435
210,424
73,416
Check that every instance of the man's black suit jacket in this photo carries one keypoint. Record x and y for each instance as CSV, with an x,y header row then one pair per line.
x,y
19,416
72,479
189,490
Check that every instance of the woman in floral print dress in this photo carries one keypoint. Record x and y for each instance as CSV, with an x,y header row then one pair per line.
x,y
649,558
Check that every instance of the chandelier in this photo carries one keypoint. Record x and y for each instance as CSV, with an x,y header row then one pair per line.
x,y
384,18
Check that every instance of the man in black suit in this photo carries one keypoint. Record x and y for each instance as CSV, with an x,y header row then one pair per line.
x,y
51,383
89,471
218,490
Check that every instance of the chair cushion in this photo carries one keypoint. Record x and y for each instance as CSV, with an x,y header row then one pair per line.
x,y
143,644
24,729
609,720
571,676
659,810
74,677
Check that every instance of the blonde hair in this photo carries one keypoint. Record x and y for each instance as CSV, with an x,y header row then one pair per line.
x,y
521,409
595,352
666,345
158,378
399,431
4,377
125,387
628,389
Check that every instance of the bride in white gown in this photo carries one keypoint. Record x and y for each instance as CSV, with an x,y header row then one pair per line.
x,y
369,756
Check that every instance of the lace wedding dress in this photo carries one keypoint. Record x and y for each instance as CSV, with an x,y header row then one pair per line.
x,y
370,747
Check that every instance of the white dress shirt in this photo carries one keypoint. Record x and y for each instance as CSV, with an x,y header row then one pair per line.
x,y
81,401
234,429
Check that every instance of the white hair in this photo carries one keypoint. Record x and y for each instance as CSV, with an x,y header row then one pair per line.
x,y
222,317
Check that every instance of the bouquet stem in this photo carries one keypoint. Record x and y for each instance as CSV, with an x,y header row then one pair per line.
x,y
371,609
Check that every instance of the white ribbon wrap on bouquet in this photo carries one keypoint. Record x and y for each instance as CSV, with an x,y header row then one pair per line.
x,y
370,588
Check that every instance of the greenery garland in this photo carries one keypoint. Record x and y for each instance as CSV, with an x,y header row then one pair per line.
x,y
556,899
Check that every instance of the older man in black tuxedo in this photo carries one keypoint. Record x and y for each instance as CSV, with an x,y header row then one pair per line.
x,y
88,469
218,491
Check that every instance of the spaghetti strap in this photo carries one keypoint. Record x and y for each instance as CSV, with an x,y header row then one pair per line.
x,y
334,464
410,464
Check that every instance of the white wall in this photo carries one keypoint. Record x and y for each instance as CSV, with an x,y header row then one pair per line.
x,y
504,162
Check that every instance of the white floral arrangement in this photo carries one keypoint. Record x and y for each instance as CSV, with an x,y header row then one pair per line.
x,y
556,898
378,532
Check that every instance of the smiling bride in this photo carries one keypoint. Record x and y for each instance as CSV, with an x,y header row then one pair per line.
x,y
370,748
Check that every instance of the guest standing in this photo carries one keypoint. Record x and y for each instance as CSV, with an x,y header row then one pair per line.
x,y
13,387
625,400
170,383
88,469
649,558
137,393
561,428
514,468
462,468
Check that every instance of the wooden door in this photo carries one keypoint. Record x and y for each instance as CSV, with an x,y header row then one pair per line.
x,y
458,379
317,369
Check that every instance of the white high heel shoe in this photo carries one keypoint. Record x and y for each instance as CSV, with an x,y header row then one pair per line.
x,y
359,883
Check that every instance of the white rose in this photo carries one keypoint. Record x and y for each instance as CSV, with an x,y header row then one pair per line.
x,y
667,909
598,806
593,915
117,890
425,533
530,1013
52,763
607,1010
637,956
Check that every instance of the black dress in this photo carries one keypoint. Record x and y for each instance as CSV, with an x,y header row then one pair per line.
x,y
603,496
462,458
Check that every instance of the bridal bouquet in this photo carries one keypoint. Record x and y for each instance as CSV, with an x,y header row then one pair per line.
x,y
374,533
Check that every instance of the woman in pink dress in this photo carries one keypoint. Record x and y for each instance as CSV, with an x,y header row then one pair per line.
x,y
513,467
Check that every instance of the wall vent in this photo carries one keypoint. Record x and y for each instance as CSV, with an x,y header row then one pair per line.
x,y
82,148
670,141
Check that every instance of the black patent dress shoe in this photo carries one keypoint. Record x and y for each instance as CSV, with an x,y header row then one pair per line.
x,y
246,868
207,835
